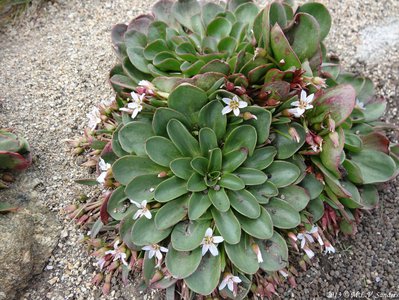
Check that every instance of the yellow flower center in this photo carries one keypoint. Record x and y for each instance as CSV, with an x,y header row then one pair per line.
x,y
234,104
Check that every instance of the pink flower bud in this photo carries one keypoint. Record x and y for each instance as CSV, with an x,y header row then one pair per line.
x,y
162,174
97,279
294,134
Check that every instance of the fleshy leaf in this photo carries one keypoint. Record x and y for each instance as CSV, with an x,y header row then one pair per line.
x,y
283,215
228,225
274,252
242,255
170,189
188,235
182,264
261,227
282,173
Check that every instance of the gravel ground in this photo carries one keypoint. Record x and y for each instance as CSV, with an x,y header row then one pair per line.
x,y
54,68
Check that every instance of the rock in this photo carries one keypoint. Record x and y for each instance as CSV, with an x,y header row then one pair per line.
x,y
26,242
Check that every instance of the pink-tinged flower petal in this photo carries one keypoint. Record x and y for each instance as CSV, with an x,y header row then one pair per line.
x,y
101,178
309,99
230,285
209,232
158,254
309,106
205,249
236,112
309,238
303,95
242,104
309,252
223,284
143,203
163,249
295,103
123,258
147,214
226,110
236,279
129,111
112,252
151,253
138,214
213,249
135,113
217,239
226,100
303,242
135,203
147,248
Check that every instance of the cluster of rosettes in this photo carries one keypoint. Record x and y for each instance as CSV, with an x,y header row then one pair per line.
x,y
231,133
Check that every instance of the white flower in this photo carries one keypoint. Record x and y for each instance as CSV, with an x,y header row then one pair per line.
x,y
101,262
104,167
136,106
329,248
147,85
283,273
94,118
302,105
303,237
142,211
117,253
308,252
210,242
359,105
155,250
229,280
233,105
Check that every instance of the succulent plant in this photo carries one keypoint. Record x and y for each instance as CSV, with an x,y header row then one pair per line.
x,y
232,132
14,153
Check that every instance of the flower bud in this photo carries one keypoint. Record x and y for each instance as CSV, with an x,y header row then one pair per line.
x,y
334,138
248,116
162,174
97,279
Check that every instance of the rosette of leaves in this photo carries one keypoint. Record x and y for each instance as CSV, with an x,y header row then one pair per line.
x,y
357,155
186,38
197,169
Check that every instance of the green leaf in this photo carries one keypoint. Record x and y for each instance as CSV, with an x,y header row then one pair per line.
x,y
264,192
134,38
198,205
216,65
316,208
261,158
182,264
282,49
231,182
142,187
274,252
353,143
337,102
242,256
219,28
246,12
219,199
130,166
286,146
215,160
187,99
155,47
282,173
171,213
262,124
181,167
182,138
296,196
244,136
331,154
185,10
136,57
251,176
305,35
374,166
170,189
161,150
211,116
321,14
245,203
234,159
207,140
196,183
144,232
354,201
161,118
227,44
369,196
261,227
284,216
313,186
206,278
188,235
200,165
228,225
